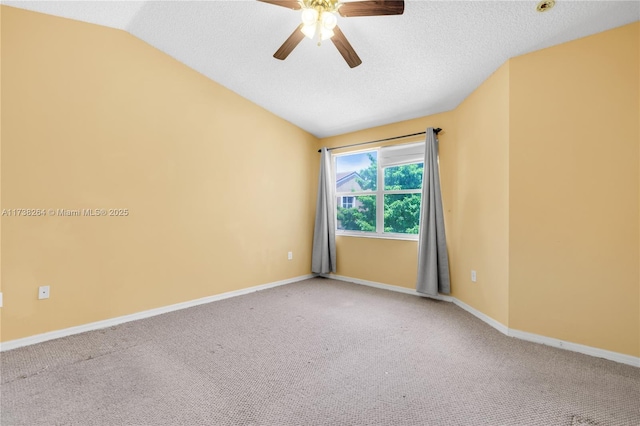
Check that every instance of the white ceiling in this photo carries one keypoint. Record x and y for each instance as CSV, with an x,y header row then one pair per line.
x,y
423,62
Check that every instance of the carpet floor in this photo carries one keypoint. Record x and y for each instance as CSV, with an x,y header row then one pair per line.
x,y
316,352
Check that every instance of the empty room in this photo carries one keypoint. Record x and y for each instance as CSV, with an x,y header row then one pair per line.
x,y
320,212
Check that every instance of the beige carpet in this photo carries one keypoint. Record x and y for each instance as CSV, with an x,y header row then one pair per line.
x,y
318,352
581,421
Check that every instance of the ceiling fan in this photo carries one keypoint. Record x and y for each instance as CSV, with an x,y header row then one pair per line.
x,y
319,21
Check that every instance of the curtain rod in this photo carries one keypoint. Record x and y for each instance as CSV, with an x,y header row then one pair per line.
x,y
436,131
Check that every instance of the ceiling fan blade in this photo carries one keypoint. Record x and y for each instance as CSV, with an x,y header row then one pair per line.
x,y
345,48
371,8
289,44
290,4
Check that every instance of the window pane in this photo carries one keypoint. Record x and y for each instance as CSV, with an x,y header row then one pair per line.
x,y
357,172
402,213
408,176
360,217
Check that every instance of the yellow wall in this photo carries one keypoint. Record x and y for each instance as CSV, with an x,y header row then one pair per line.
x,y
95,118
540,182
539,198
479,237
574,191
474,179
383,260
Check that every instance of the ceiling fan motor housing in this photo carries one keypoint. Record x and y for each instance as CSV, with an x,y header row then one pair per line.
x,y
319,20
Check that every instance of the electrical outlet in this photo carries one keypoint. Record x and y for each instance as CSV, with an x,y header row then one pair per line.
x,y
473,276
0,300
43,292
290,255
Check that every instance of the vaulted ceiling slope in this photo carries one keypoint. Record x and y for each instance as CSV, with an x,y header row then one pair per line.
x,y
423,62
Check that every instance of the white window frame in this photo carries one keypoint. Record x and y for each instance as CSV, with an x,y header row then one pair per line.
x,y
379,193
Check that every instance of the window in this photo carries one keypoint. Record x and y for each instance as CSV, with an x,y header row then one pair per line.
x,y
390,209
347,202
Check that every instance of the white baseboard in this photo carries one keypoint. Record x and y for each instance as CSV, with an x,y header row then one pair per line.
x,y
484,317
576,347
523,335
386,287
38,338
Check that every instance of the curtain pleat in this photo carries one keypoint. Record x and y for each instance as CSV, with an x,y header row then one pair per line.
x,y
323,255
433,260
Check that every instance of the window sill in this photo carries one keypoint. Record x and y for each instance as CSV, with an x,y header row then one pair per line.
x,y
410,237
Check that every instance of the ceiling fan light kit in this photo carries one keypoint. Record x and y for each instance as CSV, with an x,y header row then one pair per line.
x,y
318,24
319,21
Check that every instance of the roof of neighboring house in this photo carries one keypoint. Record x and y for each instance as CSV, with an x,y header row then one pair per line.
x,y
344,176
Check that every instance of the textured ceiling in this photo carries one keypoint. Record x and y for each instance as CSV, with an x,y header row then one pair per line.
x,y
423,62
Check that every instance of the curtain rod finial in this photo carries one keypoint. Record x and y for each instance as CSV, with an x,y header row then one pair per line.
x,y
437,130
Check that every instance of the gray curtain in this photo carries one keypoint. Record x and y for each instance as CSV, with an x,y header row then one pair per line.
x,y
323,256
433,260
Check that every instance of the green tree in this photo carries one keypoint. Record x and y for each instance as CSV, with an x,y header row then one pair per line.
x,y
408,176
363,217
368,179
401,211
